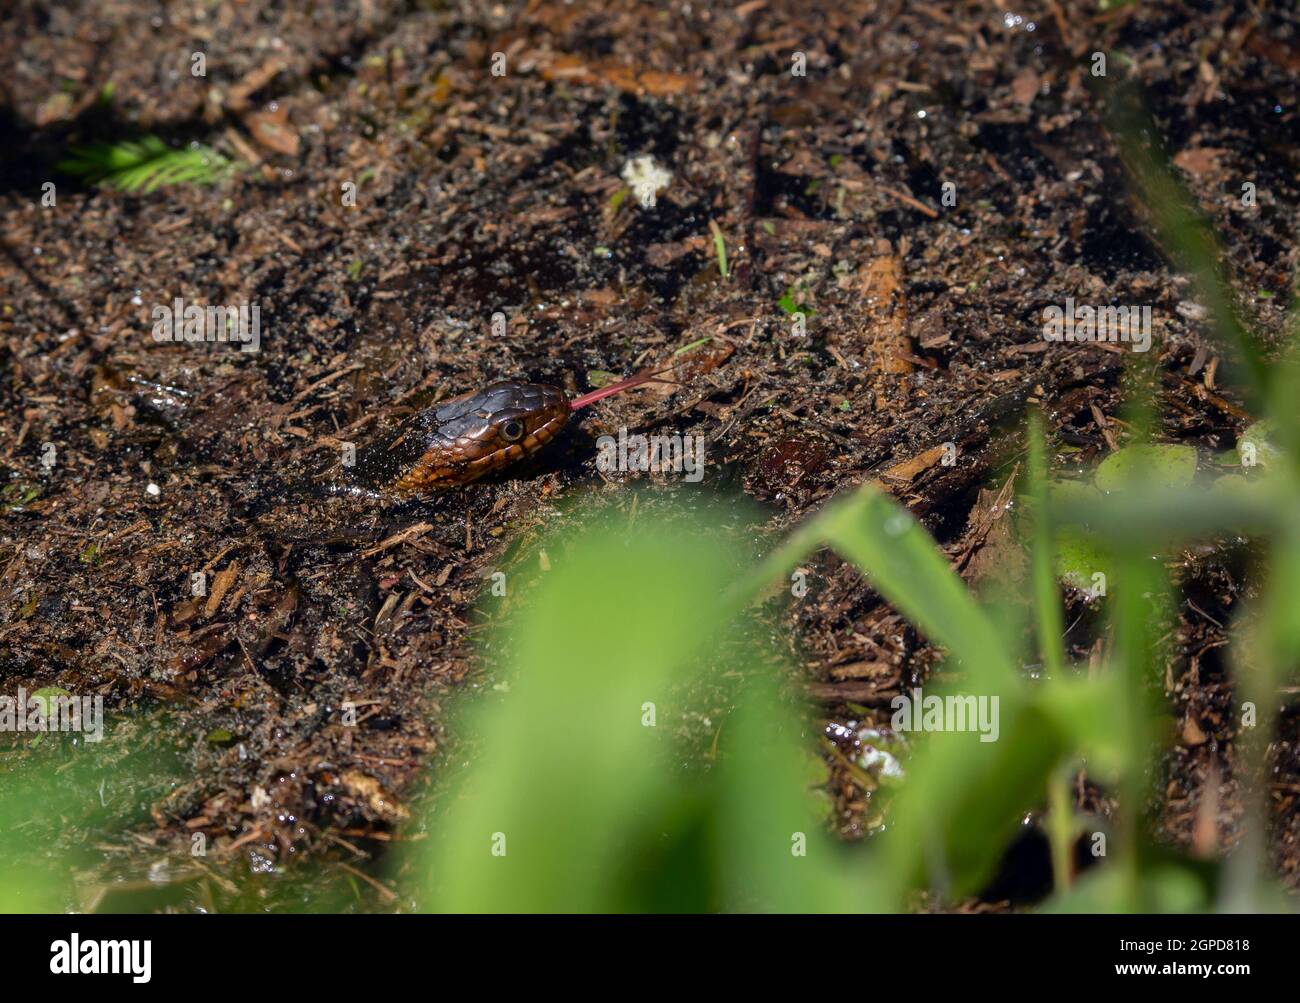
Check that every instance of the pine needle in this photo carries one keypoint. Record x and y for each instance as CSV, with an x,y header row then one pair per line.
x,y
146,164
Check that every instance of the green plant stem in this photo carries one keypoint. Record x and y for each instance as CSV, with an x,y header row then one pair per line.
x,y
1048,620
1061,829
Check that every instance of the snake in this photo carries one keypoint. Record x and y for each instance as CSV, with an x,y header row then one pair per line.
x,y
456,442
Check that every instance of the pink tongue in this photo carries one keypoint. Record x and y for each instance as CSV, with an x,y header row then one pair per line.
x,y
609,391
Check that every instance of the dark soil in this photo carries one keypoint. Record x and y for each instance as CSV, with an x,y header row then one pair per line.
x,y
479,194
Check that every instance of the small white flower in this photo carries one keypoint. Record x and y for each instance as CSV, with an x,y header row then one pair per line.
x,y
876,760
881,762
642,174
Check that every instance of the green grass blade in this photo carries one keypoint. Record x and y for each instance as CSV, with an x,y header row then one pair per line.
x,y
1154,518
1186,236
1049,623
902,563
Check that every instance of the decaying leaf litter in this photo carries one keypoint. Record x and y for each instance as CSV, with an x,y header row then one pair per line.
x,y
479,193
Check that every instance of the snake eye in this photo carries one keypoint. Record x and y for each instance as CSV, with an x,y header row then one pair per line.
x,y
513,430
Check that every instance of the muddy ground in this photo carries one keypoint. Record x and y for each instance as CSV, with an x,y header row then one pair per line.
x,y
479,193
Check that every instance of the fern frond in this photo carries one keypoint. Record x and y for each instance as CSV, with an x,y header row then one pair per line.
x,y
146,164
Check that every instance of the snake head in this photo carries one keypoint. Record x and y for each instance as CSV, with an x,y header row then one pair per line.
x,y
462,439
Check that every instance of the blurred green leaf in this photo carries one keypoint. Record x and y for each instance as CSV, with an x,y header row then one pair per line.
x,y
1159,465
1168,889
902,563
581,805
1257,445
1078,554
